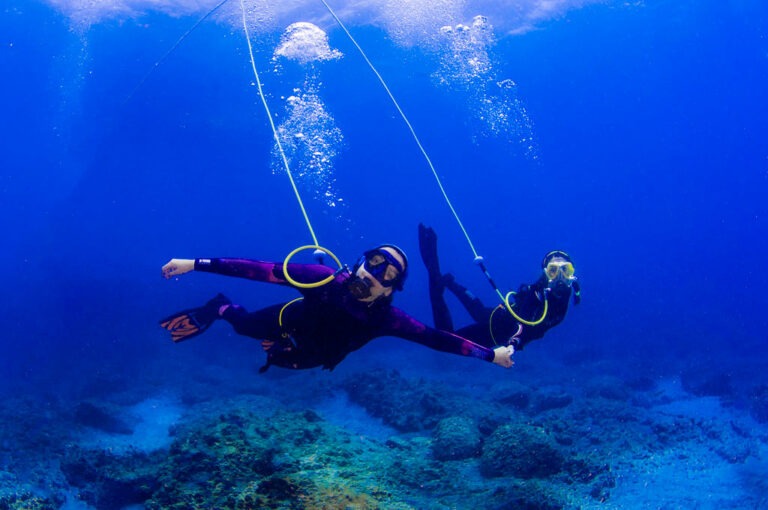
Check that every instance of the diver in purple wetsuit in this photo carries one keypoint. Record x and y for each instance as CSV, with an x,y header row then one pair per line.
x,y
329,321
496,326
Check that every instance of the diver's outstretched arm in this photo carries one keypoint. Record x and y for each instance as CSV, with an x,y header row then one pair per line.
x,y
269,272
177,267
404,326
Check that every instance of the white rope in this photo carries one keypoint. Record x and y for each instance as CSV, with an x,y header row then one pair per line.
x,y
410,128
272,125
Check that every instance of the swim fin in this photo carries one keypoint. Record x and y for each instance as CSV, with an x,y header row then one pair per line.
x,y
428,250
194,321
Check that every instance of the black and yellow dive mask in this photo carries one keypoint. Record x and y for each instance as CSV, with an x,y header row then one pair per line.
x,y
563,271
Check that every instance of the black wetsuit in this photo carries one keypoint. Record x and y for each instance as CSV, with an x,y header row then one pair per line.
x,y
329,323
496,326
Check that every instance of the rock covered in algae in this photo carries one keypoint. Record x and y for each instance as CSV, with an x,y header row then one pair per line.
x,y
108,479
241,460
406,405
456,438
23,500
521,451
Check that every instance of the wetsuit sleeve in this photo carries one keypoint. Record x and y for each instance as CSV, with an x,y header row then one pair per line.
x,y
404,326
269,272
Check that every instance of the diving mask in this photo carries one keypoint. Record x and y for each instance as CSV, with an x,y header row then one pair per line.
x,y
378,262
382,266
560,270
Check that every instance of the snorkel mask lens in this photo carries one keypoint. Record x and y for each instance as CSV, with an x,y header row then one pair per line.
x,y
553,270
377,262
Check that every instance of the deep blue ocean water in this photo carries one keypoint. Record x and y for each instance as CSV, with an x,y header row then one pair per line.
x,y
647,160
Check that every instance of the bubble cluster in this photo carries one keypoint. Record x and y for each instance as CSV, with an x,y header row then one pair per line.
x,y
304,42
466,66
311,141
309,136
464,59
502,114
413,22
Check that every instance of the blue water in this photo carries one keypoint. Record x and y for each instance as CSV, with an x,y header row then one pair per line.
x,y
648,163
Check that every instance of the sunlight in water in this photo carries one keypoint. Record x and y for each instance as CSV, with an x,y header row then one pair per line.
x,y
408,22
451,30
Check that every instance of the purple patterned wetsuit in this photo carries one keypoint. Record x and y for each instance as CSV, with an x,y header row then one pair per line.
x,y
329,322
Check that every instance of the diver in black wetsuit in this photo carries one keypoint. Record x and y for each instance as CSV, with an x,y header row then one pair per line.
x,y
497,326
329,321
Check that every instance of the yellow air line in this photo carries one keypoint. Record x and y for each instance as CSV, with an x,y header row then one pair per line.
x,y
490,324
520,319
272,125
280,317
316,246
478,259
517,317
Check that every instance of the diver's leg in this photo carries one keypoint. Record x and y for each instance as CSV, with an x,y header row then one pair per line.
x,y
440,313
261,324
472,303
264,325
428,249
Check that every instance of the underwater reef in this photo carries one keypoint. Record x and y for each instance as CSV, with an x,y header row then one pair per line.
x,y
511,446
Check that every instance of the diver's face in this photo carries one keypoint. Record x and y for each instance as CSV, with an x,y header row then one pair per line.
x,y
387,274
560,273
559,270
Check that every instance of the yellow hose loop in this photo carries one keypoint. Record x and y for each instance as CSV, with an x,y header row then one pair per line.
x,y
309,285
289,303
520,319
490,324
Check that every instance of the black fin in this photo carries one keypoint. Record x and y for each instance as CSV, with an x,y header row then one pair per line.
x,y
428,250
194,321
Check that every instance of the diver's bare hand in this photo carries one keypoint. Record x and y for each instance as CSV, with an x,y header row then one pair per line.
x,y
177,267
502,356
